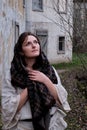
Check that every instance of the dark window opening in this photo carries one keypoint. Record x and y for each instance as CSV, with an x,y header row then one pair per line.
x,y
61,44
37,5
16,31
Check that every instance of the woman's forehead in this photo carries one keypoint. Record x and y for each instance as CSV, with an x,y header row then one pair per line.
x,y
29,38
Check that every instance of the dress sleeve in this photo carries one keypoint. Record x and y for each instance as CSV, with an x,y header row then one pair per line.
x,y
10,102
62,93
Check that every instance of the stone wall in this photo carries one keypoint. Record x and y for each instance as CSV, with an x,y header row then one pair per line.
x,y
12,12
49,20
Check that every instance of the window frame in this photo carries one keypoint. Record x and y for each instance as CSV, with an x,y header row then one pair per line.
x,y
44,34
17,28
23,3
63,45
37,6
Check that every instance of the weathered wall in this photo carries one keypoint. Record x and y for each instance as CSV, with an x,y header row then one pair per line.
x,y
11,12
46,20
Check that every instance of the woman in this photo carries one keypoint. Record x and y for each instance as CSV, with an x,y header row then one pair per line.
x,y
32,89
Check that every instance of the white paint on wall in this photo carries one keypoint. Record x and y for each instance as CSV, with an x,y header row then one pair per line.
x,y
49,20
8,17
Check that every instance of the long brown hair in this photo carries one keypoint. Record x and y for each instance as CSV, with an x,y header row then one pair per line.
x,y
21,39
18,49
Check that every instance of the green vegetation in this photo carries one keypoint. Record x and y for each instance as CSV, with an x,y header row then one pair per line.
x,y
78,60
77,97
75,82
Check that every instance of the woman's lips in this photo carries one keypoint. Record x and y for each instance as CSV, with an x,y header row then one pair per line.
x,y
34,50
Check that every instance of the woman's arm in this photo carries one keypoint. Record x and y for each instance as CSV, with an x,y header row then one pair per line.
x,y
11,102
23,99
52,89
62,93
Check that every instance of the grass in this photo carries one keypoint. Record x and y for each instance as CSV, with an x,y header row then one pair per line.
x,y
77,117
78,60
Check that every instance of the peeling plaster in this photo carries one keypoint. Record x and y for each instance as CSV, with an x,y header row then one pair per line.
x,y
8,16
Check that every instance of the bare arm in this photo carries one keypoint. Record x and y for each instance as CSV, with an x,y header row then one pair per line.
x,y
52,89
23,98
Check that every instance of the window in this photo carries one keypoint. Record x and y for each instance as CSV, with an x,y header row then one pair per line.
x,y
37,5
43,37
62,6
61,44
24,3
16,31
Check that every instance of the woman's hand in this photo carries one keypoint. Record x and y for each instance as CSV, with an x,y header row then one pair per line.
x,y
37,76
41,77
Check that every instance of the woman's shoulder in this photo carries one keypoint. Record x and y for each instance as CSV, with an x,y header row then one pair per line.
x,y
56,73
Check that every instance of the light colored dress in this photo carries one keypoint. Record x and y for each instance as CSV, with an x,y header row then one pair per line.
x,y
10,101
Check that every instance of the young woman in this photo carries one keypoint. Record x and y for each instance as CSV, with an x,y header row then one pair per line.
x,y
32,91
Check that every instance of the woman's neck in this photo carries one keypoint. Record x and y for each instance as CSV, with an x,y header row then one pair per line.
x,y
30,62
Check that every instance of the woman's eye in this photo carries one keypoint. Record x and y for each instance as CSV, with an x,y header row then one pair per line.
x,y
35,42
28,43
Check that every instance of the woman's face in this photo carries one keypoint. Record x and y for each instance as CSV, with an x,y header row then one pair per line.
x,y
31,47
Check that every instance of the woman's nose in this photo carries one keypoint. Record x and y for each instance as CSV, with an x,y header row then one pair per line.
x,y
33,44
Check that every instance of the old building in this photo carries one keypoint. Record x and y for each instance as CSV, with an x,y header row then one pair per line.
x,y
49,20
12,22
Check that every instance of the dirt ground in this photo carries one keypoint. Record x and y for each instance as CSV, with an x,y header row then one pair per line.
x,y
77,117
